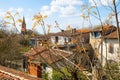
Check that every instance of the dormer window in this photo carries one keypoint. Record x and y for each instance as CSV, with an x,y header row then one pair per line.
x,y
96,34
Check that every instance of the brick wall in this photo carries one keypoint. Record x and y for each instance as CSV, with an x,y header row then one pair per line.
x,y
34,69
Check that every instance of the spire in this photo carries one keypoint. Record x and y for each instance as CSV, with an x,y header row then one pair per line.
x,y
23,29
23,20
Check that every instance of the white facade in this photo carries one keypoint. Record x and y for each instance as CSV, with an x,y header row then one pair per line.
x,y
110,50
49,71
60,40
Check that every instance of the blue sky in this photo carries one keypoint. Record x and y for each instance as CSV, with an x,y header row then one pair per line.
x,y
65,12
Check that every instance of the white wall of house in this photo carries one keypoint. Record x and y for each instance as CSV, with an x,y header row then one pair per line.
x,y
95,41
52,38
61,40
49,71
111,53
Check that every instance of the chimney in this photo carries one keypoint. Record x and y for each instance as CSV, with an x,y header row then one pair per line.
x,y
62,30
74,30
35,69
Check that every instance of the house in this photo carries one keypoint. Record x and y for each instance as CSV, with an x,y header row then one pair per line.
x,y
111,47
63,39
82,36
40,57
43,38
11,74
68,36
42,54
97,33
56,58
98,38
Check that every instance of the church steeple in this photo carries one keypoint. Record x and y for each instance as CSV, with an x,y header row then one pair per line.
x,y
23,29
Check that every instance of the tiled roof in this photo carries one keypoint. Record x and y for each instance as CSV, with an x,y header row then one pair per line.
x,y
107,29
35,51
44,36
63,33
83,31
11,74
66,33
49,55
112,35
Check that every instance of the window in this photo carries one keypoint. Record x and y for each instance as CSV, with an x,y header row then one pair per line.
x,y
65,40
111,48
96,34
56,39
32,42
69,39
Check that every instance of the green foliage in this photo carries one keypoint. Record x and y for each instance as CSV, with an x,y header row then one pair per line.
x,y
65,71
68,75
24,41
25,48
9,47
112,70
45,76
81,76
57,75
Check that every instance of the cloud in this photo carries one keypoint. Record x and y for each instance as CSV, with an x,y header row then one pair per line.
x,y
45,10
20,10
2,13
66,2
101,2
68,11
63,7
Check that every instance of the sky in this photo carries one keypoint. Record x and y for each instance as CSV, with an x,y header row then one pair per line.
x,y
65,12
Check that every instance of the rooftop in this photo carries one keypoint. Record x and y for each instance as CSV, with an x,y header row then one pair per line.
x,y
11,74
112,35
107,29
49,55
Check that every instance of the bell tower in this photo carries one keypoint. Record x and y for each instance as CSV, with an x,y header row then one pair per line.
x,y
23,29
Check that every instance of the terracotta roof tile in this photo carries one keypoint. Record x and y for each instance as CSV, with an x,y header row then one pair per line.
x,y
67,33
106,29
49,55
11,74
83,31
112,35
34,51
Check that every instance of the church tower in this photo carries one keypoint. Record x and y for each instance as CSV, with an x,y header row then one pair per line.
x,y
23,29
